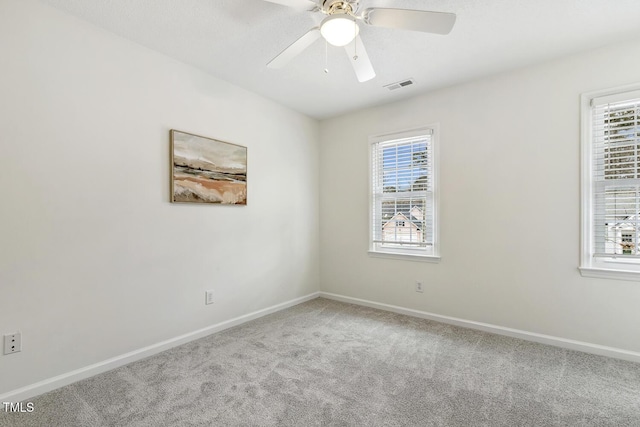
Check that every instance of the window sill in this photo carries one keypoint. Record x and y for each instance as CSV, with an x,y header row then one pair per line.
x,y
406,257
607,273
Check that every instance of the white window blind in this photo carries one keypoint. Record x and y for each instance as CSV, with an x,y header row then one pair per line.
x,y
615,198
403,186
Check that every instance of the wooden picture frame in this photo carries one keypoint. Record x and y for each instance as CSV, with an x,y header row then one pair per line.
x,y
207,170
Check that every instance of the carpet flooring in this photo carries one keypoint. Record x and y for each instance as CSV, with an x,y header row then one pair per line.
x,y
326,363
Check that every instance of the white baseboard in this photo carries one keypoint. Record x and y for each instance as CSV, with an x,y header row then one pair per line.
x,y
47,385
500,330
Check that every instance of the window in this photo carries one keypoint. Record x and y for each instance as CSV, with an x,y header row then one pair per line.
x,y
403,194
611,184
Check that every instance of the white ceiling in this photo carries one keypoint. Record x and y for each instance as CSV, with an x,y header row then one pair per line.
x,y
235,39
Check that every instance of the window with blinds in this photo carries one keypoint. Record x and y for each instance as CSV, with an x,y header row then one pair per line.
x,y
611,180
403,188
616,175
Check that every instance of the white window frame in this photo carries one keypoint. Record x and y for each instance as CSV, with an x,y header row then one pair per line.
x,y
590,266
412,254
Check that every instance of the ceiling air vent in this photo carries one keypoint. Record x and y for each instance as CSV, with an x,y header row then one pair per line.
x,y
398,85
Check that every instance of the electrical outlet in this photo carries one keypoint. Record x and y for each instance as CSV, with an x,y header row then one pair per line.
x,y
12,343
419,287
208,297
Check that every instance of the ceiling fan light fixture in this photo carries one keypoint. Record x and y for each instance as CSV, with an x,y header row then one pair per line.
x,y
339,29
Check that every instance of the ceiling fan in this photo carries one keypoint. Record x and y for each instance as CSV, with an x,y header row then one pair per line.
x,y
340,28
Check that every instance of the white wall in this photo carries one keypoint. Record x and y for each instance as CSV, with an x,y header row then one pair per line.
x,y
510,204
94,260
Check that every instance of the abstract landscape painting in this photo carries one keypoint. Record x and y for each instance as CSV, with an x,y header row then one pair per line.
x,y
206,170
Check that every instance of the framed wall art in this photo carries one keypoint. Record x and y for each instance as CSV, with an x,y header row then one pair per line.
x,y
206,170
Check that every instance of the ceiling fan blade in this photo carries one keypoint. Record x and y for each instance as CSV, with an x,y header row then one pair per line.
x,y
416,20
295,49
360,60
296,4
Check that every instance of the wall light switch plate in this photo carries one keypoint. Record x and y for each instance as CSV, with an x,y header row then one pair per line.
x,y
12,343
419,287
208,297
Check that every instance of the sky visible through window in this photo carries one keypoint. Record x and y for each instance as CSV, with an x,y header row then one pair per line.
x,y
405,167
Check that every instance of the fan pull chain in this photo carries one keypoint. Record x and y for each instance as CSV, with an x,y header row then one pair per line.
x,y
355,42
326,57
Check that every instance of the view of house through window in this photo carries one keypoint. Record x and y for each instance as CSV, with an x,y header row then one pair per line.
x,y
403,194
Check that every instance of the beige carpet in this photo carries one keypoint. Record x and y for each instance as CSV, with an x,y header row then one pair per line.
x,y
325,363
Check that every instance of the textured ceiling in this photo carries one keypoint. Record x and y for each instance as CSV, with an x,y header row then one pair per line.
x,y
235,39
